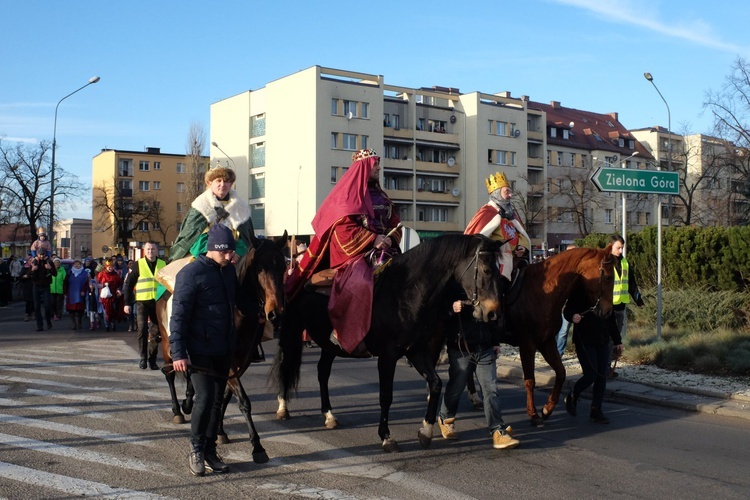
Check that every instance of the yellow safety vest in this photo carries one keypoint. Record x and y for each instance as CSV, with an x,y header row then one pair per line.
x,y
145,287
620,294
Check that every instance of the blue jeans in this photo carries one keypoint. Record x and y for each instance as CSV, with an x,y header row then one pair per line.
x,y
562,336
42,297
209,398
486,370
594,360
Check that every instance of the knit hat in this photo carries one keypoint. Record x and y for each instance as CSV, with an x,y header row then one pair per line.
x,y
220,238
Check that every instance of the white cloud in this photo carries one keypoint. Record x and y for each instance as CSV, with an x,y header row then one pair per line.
x,y
643,14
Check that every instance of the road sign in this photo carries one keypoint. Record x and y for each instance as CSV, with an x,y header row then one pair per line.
x,y
623,180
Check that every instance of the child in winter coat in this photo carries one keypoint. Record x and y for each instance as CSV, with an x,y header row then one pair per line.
x,y
94,307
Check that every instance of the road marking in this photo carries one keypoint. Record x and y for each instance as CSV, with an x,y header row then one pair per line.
x,y
85,455
70,485
59,410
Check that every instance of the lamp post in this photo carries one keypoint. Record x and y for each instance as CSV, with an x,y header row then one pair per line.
x,y
650,78
92,80
213,143
625,209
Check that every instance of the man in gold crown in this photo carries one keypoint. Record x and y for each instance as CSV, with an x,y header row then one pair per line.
x,y
498,220
356,217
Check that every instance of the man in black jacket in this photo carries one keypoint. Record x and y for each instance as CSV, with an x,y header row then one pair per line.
x,y
40,274
202,335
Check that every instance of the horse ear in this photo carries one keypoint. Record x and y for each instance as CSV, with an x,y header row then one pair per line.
x,y
608,248
281,241
254,240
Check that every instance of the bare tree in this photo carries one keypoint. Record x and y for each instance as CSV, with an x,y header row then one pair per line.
x,y
120,211
530,204
26,186
575,199
159,226
196,168
730,107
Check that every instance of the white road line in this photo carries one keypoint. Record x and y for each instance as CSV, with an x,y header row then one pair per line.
x,y
70,485
58,410
77,431
85,455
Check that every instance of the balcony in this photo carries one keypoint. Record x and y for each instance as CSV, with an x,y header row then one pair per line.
x,y
405,196
535,162
535,136
126,193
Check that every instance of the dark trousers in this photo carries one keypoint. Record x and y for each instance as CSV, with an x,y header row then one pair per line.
x,y
594,360
148,334
209,396
41,297
57,300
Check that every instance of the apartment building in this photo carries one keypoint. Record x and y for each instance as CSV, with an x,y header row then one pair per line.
x,y
141,196
291,140
72,238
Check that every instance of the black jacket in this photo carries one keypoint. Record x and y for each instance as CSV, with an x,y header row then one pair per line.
x,y
463,332
592,330
42,276
202,320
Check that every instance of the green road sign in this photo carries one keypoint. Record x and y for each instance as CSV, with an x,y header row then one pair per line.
x,y
623,180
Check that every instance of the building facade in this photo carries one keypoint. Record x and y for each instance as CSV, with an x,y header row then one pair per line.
x,y
73,238
141,196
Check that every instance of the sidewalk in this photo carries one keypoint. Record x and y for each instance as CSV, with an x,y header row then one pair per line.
x,y
621,389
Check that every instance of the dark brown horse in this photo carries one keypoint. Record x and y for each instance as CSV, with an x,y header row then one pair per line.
x,y
406,312
260,298
534,311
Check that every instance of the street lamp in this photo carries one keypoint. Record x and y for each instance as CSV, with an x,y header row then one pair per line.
x,y
650,78
624,208
228,157
91,81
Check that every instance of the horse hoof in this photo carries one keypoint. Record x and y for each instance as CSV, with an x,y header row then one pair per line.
x,y
424,440
537,421
222,439
178,419
390,445
331,423
260,457
282,415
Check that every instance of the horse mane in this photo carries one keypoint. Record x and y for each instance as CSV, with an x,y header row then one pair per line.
x,y
438,252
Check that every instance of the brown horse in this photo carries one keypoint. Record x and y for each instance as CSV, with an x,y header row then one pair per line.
x,y
534,311
260,298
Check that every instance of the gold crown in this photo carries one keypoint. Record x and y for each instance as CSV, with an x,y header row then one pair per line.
x,y
496,182
363,153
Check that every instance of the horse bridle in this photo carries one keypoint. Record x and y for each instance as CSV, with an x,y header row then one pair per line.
x,y
601,286
475,260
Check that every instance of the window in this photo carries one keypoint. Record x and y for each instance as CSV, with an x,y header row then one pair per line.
x,y
350,107
157,185
559,158
180,187
506,158
258,153
143,226
334,175
420,124
258,215
157,165
553,132
364,142
365,110
179,207
258,125
572,160
566,133
258,186
156,226
386,120
181,168
334,106
125,168
396,122
143,185
143,166
334,140
350,142
608,216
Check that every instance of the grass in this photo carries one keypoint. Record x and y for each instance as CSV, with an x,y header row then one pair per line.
x,y
702,332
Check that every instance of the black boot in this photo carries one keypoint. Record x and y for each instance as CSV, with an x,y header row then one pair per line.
x,y
570,404
214,463
597,416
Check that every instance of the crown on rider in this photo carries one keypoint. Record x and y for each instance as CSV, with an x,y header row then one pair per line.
x,y
363,153
496,182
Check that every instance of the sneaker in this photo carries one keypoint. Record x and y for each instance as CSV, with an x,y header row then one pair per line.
x,y
570,404
597,416
447,428
195,463
214,463
502,440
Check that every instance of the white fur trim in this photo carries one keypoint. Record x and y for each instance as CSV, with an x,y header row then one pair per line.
x,y
239,211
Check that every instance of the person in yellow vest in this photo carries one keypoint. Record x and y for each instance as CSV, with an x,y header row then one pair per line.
x,y
140,289
624,288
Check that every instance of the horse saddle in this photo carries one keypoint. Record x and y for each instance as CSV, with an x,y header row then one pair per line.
x,y
321,282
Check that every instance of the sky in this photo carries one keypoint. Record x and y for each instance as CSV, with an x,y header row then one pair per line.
x,y
163,63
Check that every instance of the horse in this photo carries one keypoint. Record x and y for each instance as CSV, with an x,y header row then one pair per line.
x,y
408,295
533,312
260,298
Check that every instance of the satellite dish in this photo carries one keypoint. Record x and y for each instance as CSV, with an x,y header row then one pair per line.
x,y
614,158
451,161
105,249
455,192
517,133
349,115
453,118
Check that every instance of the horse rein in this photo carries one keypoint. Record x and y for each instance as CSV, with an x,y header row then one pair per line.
x,y
169,369
601,288
475,260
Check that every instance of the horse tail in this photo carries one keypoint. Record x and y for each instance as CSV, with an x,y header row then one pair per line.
x,y
288,360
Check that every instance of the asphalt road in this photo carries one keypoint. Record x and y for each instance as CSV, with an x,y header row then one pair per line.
x,y
78,418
